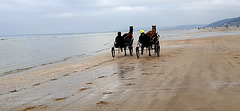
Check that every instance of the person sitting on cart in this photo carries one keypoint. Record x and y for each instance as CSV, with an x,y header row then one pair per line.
x,y
144,39
119,41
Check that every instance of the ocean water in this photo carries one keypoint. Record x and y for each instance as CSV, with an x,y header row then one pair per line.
x,y
19,54
22,53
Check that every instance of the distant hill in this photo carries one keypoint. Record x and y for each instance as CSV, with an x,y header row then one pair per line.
x,y
172,27
224,22
189,26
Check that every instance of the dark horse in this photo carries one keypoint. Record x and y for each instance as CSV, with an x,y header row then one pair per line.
x,y
128,40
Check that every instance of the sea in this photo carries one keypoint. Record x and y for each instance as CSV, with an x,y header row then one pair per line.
x,y
21,53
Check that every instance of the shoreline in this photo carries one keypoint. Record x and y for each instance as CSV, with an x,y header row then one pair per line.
x,y
55,59
199,72
89,61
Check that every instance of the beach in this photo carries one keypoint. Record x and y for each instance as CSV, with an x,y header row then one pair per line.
x,y
190,74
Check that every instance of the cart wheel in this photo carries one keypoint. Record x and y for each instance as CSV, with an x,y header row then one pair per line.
x,y
137,52
131,50
113,52
158,51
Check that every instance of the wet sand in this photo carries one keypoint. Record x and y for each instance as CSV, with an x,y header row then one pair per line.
x,y
194,74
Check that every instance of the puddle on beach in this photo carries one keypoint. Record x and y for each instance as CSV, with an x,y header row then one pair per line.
x,y
42,107
220,84
123,70
173,46
102,103
59,99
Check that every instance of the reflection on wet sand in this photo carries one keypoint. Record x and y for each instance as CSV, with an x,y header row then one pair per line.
x,y
123,69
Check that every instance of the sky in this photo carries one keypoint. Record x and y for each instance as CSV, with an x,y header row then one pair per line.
x,y
79,16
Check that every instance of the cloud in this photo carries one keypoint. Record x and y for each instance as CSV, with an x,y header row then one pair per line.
x,y
208,5
106,3
63,15
51,16
131,9
226,3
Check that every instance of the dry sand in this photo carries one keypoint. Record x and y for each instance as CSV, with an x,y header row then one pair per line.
x,y
195,74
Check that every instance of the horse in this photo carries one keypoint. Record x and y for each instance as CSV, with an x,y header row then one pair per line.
x,y
128,40
154,38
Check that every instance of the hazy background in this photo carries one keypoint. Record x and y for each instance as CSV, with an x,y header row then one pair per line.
x,y
78,16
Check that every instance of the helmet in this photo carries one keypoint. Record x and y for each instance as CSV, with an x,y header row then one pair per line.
x,y
141,31
119,33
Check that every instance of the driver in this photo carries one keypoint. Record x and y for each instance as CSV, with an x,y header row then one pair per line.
x,y
119,41
144,39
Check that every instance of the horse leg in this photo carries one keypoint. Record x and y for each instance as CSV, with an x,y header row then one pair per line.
x,y
149,48
125,51
155,49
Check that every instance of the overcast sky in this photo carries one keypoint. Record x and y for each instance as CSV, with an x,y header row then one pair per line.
x,y
76,16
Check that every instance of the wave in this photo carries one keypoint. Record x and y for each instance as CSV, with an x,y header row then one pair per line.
x,y
44,64
101,50
17,71
3,39
64,59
